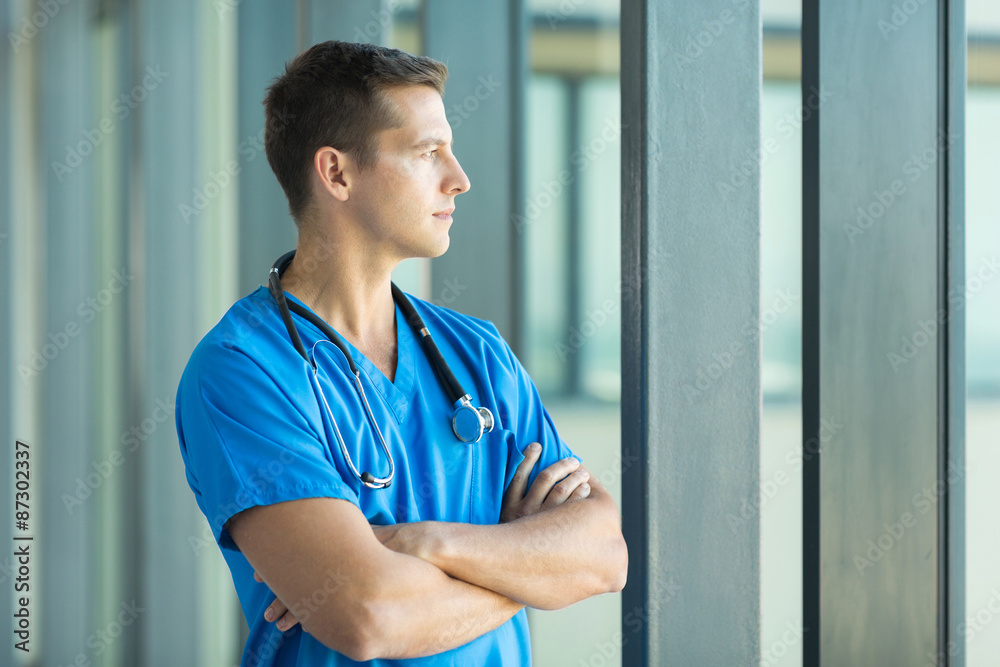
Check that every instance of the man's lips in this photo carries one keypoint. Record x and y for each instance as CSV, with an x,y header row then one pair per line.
x,y
445,214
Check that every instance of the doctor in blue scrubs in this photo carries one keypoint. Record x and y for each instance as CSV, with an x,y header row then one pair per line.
x,y
378,471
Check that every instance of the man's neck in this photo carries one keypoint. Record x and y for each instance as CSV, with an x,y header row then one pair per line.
x,y
349,289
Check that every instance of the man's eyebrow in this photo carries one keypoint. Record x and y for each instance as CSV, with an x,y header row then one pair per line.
x,y
433,141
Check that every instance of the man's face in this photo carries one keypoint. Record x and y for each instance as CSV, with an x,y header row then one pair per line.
x,y
406,198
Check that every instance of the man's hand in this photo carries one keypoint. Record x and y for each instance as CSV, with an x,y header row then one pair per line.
x,y
561,481
278,611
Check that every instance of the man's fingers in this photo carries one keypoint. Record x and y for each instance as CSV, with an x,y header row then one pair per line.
x,y
566,488
547,479
582,491
275,611
519,483
287,621
278,610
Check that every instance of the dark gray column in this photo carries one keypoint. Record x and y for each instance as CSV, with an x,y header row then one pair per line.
x,y
267,40
66,614
355,21
952,82
482,43
166,320
574,234
690,351
883,347
7,328
269,36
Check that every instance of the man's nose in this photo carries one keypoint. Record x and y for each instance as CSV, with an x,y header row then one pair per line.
x,y
459,181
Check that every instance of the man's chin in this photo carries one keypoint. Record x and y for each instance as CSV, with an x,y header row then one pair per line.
x,y
439,248
443,248
431,251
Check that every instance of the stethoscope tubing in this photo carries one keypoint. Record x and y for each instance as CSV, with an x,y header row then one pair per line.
x,y
468,423
366,478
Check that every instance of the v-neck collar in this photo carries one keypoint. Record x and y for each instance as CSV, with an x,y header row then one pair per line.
x,y
397,393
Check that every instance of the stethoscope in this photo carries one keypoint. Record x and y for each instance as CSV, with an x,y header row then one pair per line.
x,y
467,422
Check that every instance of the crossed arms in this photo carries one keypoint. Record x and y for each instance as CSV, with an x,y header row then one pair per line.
x,y
417,589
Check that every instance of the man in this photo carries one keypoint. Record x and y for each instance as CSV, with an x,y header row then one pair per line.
x,y
442,561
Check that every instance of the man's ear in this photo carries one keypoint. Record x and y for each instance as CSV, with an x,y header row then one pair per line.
x,y
335,172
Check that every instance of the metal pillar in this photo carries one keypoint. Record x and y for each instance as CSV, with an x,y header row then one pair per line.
x,y
883,339
7,431
167,322
691,396
355,21
267,40
64,539
483,45
270,35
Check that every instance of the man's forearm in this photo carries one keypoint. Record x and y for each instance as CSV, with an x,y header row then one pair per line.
x,y
377,602
547,560
439,614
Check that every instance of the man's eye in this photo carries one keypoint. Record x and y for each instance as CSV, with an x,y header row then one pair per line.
x,y
430,154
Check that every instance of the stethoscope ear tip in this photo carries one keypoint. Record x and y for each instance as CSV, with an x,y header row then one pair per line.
x,y
373,482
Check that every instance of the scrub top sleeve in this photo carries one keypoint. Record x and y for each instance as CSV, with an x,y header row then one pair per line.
x,y
245,442
531,422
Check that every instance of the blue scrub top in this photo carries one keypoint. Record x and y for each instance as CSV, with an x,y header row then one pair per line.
x,y
252,432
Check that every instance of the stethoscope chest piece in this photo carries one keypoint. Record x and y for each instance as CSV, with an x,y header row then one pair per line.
x,y
469,423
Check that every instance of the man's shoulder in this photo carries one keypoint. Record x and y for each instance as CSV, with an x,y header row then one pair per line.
x,y
247,331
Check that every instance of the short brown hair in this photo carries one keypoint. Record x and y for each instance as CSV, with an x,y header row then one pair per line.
x,y
333,94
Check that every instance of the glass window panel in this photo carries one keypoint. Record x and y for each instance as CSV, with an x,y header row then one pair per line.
x,y
573,93
981,630
780,331
543,231
598,153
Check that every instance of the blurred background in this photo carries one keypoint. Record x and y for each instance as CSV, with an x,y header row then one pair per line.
x,y
138,205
